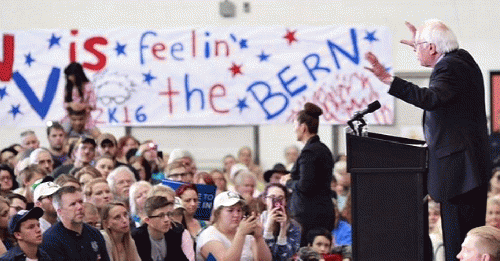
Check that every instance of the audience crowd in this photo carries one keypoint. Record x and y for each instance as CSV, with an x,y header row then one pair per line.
x,y
91,196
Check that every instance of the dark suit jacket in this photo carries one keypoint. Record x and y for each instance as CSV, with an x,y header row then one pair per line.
x,y
311,202
454,124
173,240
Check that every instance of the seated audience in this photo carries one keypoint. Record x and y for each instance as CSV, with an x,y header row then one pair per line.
x,y
219,180
25,228
274,175
232,236
124,145
120,180
66,180
91,215
185,157
57,138
116,232
481,243
495,183
142,168
7,180
177,171
85,174
342,233
29,140
138,194
27,178
17,203
83,153
281,233
5,237
157,239
189,196
43,159
98,192
71,238
204,178
43,199
162,190
493,211
105,164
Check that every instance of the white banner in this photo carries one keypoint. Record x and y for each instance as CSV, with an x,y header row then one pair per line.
x,y
202,76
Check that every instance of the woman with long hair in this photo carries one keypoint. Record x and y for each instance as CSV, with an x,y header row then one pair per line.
x,y
189,196
138,194
125,144
79,93
232,236
281,232
116,233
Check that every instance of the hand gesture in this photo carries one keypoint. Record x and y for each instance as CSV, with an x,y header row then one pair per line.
x,y
413,31
247,224
378,69
285,178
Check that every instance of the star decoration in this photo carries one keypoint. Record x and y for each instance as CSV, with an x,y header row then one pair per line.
x,y
370,36
233,37
120,49
3,92
15,110
243,43
263,56
236,69
148,77
242,104
29,59
290,36
54,40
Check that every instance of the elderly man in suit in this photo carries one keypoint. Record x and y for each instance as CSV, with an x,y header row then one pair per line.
x,y
454,127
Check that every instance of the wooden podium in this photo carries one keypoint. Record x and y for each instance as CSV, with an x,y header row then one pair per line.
x,y
388,176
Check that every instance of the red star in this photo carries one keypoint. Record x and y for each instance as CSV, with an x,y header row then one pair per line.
x,y
236,69
290,36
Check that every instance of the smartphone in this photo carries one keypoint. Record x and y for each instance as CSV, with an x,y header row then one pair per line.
x,y
277,202
160,154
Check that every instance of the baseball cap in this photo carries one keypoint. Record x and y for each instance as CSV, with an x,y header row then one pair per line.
x,y
85,139
23,215
45,189
227,199
106,137
178,203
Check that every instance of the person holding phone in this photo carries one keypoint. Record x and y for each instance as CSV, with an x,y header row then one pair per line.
x,y
232,235
281,232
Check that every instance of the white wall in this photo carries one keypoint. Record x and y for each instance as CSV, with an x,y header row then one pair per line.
x,y
473,21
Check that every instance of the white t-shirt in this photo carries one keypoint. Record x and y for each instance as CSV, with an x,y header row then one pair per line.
x,y
212,234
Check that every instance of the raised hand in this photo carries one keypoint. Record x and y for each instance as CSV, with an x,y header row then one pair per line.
x,y
378,69
413,31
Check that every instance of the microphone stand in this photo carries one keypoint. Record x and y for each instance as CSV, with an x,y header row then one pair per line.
x,y
361,123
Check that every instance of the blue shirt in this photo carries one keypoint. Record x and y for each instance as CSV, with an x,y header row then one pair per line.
x,y
61,243
342,234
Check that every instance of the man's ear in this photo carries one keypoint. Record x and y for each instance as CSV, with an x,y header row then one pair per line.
x,y
146,220
38,204
433,49
17,235
486,257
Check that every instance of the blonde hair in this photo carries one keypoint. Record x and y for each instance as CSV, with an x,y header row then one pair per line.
x,y
87,189
489,238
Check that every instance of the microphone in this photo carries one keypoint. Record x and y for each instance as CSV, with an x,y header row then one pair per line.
x,y
371,108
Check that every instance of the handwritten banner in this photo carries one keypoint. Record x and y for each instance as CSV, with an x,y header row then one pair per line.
x,y
202,76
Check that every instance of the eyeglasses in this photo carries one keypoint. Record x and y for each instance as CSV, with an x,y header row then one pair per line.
x,y
179,175
163,215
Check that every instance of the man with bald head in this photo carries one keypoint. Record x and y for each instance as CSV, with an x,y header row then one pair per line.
x,y
454,127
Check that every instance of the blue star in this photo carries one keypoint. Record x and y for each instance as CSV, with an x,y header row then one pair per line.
x,y
148,77
3,92
54,40
242,104
370,36
120,49
243,43
29,59
263,56
15,110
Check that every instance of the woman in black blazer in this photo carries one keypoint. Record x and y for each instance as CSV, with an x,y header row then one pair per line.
x,y
310,178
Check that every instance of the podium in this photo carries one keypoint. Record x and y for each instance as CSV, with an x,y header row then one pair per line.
x,y
388,176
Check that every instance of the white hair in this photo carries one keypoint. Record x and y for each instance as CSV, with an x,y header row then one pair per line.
x,y
132,191
113,174
34,155
179,154
240,178
436,32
